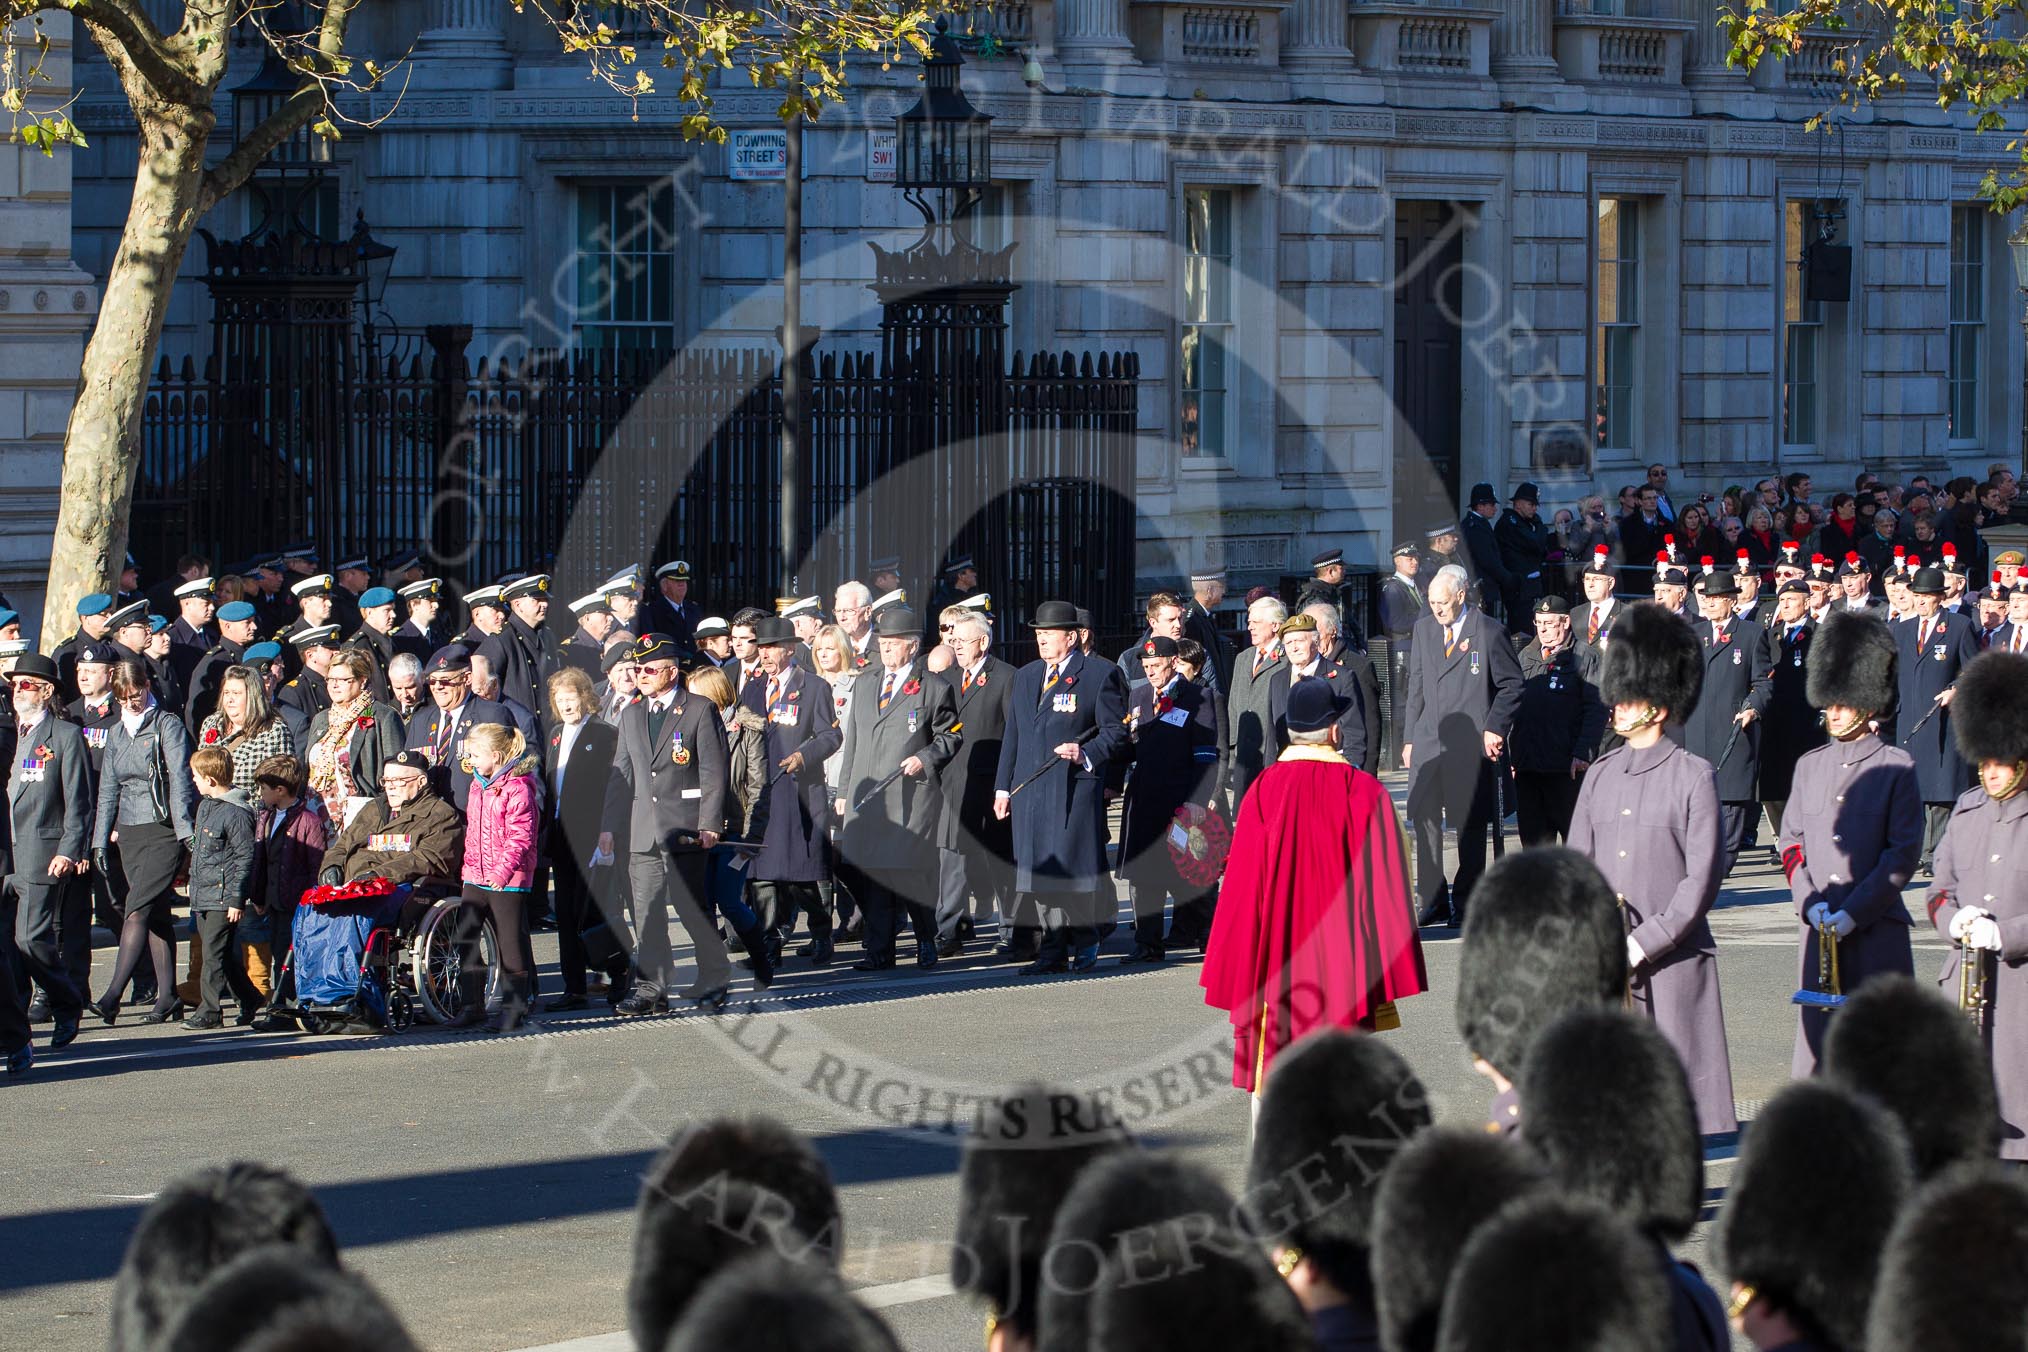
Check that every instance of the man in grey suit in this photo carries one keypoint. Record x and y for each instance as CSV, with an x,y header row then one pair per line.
x,y
49,812
902,719
1464,687
1250,710
670,772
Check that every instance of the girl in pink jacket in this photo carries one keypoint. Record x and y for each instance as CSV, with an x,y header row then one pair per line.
x,y
501,820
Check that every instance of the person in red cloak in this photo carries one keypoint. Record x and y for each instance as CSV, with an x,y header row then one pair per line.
x,y
1315,924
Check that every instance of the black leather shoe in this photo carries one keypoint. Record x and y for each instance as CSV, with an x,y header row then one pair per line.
x,y
20,1059
106,1009
643,1002
966,929
63,1034
1014,952
712,999
563,1004
201,1021
38,1008
141,996
819,951
926,956
1436,915
163,1013
952,947
1144,953
247,1014
873,965
1045,967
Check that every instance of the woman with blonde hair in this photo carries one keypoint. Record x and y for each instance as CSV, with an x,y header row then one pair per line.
x,y
500,859
726,867
831,650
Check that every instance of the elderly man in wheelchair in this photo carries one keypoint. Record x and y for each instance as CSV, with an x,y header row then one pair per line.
x,y
383,932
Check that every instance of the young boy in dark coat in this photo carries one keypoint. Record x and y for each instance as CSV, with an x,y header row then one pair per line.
x,y
221,886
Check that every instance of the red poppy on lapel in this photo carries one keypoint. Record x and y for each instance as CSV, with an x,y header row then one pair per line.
x,y
365,721
43,752
211,736
911,686
1163,705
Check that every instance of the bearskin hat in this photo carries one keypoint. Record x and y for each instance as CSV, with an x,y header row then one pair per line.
x,y
1196,1289
1543,935
1990,710
1442,1186
1954,1277
768,1301
1851,662
1909,1048
1014,1173
1555,1274
1654,658
270,1297
719,1191
1819,1178
196,1224
1605,1099
1126,1192
1334,1114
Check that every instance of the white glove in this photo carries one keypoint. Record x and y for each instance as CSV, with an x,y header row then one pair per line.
x,y
1843,923
1815,915
1635,957
1962,921
1983,933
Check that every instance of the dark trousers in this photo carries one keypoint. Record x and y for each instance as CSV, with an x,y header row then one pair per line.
x,y
14,1031
661,879
1936,817
889,897
577,910
1544,802
1735,822
509,911
1068,924
1474,830
222,970
776,906
1397,695
45,919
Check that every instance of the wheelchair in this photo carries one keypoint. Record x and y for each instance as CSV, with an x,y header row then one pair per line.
x,y
383,963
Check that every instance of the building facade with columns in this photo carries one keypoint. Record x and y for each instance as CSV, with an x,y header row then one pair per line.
x,y
1368,253
46,307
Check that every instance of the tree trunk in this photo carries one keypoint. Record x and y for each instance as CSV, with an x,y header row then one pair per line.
x,y
102,447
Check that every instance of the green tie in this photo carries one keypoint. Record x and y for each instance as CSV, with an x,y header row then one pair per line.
x,y
657,718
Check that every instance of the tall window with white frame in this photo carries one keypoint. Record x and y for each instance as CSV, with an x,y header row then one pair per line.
x,y
1617,320
1802,331
1967,319
1207,339
626,266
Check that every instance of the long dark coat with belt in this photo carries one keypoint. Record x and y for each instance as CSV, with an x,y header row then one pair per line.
x,y
1060,819
894,836
1850,837
1173,756
1982,861
1649,819
1791,726
1924,671
798,811
1736,676
1250,717
967,782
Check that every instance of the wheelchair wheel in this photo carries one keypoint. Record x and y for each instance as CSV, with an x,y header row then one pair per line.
x,y
437,958
400,1010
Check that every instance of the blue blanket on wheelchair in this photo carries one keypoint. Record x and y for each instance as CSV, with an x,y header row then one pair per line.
x,y
330,948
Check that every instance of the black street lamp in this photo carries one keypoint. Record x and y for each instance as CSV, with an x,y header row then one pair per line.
x,y
944,144
376,264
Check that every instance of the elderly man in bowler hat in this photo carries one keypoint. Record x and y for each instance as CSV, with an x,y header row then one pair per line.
x,y
1070,708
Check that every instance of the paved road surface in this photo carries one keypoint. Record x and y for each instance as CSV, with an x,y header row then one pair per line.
x,y
486,1184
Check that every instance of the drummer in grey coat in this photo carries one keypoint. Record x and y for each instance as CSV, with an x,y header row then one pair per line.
x,y
802,732
1648,816
1853,825
1979,895
903,719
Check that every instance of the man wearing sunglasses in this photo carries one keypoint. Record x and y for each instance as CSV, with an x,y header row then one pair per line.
x,y
438,729
44,908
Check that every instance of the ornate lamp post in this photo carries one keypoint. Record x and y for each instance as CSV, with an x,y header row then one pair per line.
x,y
943,145
376,264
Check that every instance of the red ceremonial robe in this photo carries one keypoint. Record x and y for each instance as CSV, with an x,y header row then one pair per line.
x,y
1315,925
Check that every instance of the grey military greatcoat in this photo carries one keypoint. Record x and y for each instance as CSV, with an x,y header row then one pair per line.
x,y
1982,861
1850,838
1649,819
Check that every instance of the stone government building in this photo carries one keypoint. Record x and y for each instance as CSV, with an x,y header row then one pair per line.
x,y
1368,254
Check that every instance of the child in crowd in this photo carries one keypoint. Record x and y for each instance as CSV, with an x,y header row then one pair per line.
x,y
291,839
221,883
501,821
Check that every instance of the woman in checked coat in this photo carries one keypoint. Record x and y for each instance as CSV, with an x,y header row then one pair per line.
x,y
1648,816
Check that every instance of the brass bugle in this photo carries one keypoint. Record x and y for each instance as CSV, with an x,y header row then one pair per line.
x,y
1973,996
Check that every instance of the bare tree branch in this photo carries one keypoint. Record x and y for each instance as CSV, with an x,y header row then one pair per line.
x,y
129,26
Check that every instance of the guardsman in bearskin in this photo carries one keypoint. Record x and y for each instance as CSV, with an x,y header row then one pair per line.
x,y
1935,646
1594,1284
1914,1052
1172,755
1791,726
1853,827
1978,895
1722,731
1605,1102
899,737
973,842
585,649
1313,1197
1799,1237
420,635
1950,1277
1070,708
1649,815
802,733
1557,731
1547,939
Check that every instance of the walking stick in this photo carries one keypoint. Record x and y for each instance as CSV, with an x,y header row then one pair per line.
x,y
1500,806
1054,761
1927,716
1732,741
877,789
